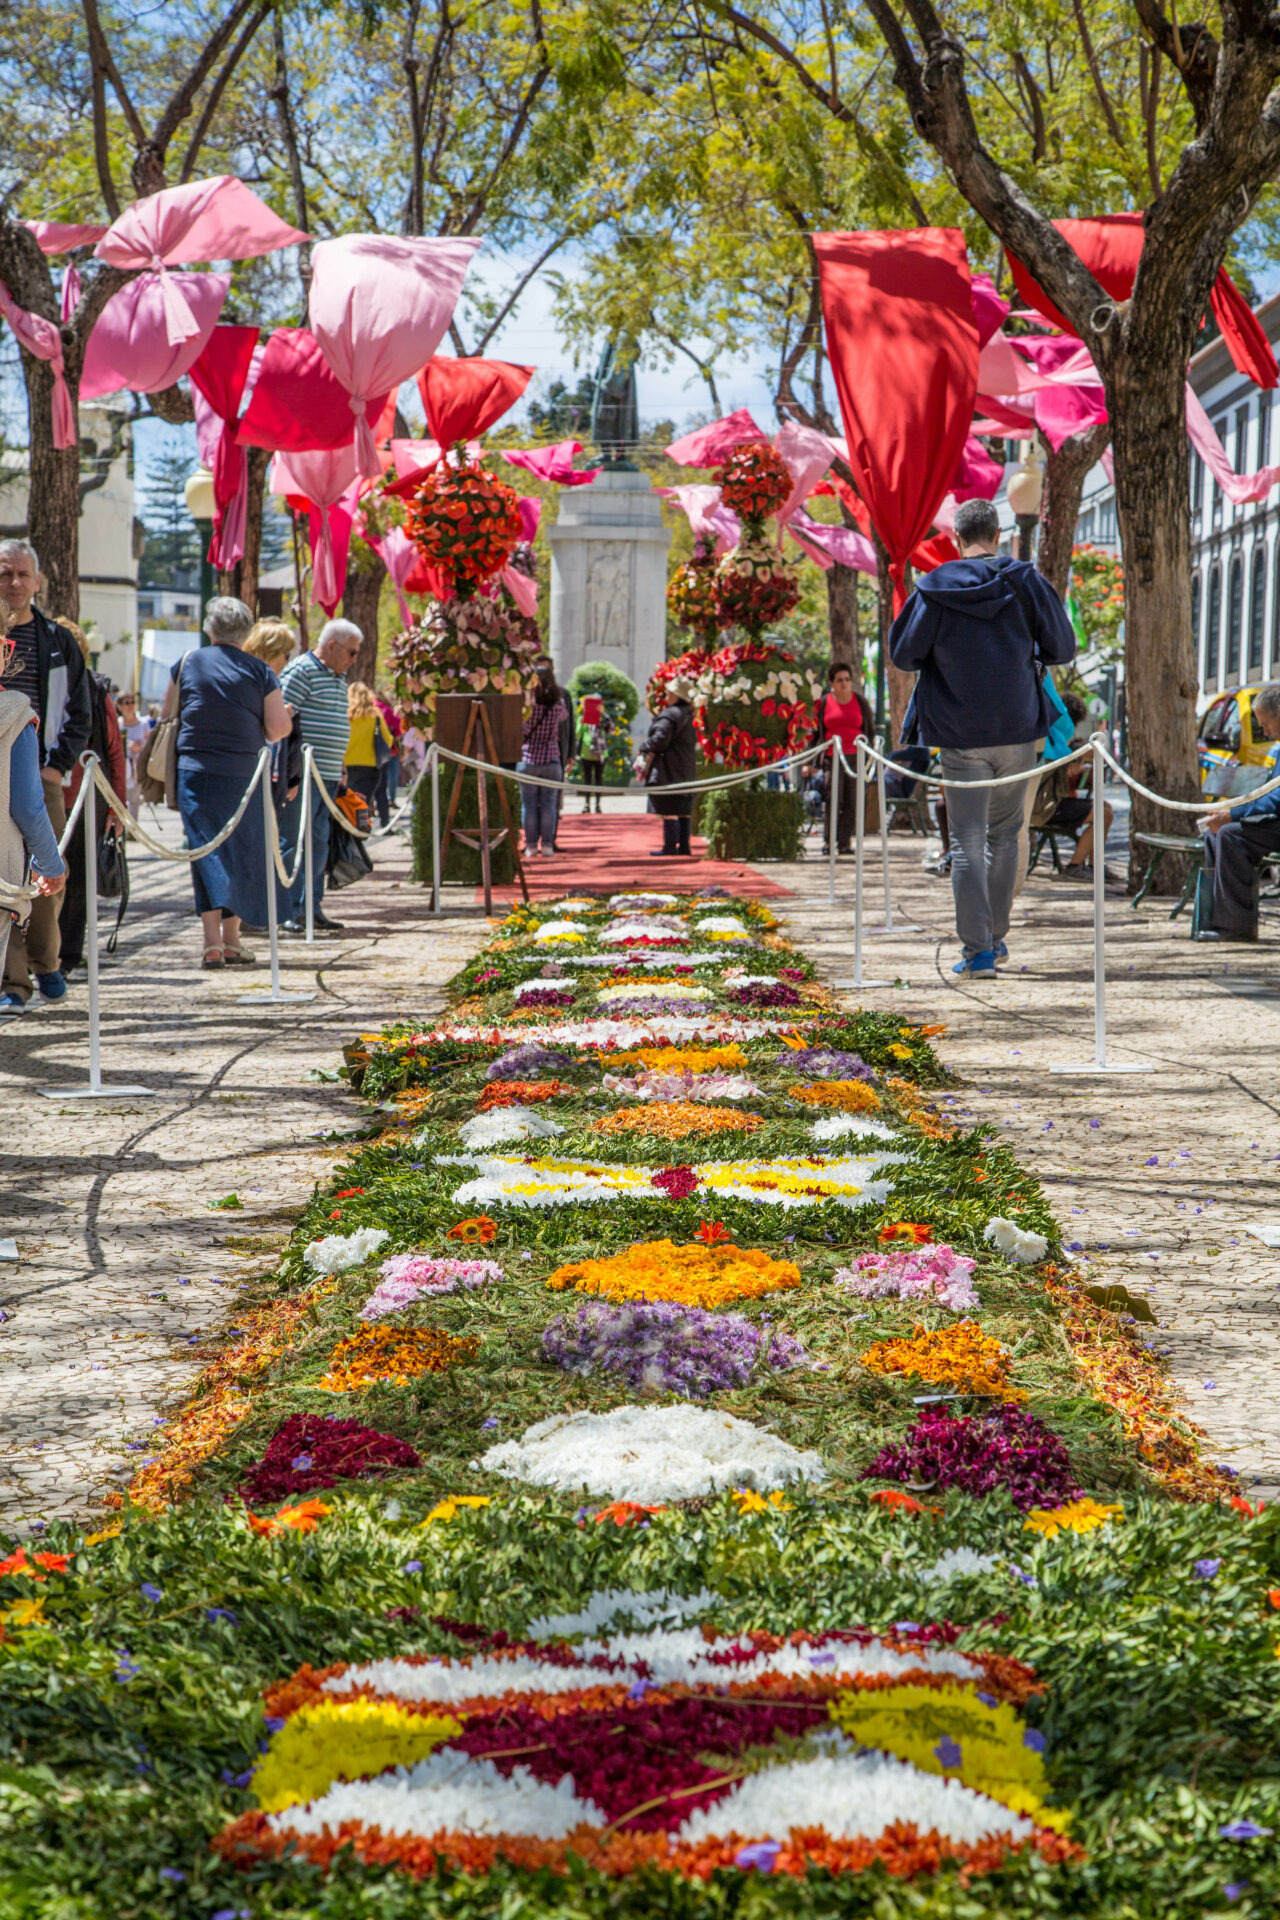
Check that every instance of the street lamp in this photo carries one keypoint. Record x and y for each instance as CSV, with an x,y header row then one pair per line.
x,y
198,494
1024,494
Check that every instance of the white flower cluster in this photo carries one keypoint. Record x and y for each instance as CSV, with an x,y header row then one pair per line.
x,y
338,1252
507,1123
556,929
1018,1244
836,1126
722,923
660,1607
650,929
951,1565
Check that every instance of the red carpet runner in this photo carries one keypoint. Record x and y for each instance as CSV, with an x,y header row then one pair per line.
x,y
609,853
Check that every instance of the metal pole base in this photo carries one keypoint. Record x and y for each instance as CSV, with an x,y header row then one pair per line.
x,y
272,999
96,1093
1091,1066
899,926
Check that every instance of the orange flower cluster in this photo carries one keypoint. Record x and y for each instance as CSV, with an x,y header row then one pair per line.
x,y
961,1357
477,1231
394,1355
518,1093
704,1276
845,1096
465,523
919,1112
304,1518
678,1059
674,1119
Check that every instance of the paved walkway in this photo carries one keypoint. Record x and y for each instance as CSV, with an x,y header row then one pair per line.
x,y
1158,1175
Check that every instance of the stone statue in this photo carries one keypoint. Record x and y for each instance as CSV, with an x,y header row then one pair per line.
x,y
615,423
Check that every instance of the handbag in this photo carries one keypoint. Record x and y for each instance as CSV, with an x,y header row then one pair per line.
x,y
158,761
113,877
348,861
356,808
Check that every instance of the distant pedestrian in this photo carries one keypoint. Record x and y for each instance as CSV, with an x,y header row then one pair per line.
x,y
594,729
315,684
370,745
133,731
668,756
980,631
229,706
105,740
25,828
843,714
47,667
276,642
384,794
542,754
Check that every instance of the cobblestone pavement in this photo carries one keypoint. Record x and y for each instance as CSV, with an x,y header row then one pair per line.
x,y
1159,1176
121,1262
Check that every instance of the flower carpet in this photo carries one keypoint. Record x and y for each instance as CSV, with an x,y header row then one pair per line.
x,y
672,1469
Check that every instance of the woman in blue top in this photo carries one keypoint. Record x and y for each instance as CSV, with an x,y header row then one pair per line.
x,y
229,706
25,828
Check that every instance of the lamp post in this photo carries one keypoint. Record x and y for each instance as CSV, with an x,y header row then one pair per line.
x,y
1024,494
198,494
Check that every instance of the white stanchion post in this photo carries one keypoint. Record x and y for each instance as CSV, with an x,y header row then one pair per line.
x,y
437,905
860,828
1099,1063
95,1089
306,820
275,998
833,815
903,926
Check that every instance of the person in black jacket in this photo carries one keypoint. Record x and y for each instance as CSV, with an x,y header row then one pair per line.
x,y
48,668
980,632
669,754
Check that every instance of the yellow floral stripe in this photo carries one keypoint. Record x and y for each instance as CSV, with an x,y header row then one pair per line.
x,y
343,1740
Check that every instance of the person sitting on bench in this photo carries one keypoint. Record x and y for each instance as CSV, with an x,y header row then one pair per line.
x,y
1064,804
1240,841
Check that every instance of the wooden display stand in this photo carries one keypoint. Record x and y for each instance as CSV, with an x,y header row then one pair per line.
x,y
477,743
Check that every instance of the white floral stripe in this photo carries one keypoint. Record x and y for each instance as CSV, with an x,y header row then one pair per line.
x,y
447,1793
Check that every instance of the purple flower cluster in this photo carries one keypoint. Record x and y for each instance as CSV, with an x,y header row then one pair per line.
x,y
658,1347
774,993
528,1062
312,1450
652,1007
1007,1447
827,1063
545,997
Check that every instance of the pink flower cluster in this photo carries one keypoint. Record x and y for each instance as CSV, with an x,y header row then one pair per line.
x,y
915,1273
407,1276
651,1083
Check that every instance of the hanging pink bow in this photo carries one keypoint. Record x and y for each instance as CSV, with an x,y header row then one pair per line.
x,y
58,236
554,463
41,338
131,346
328,485
218,219
710,445
379,308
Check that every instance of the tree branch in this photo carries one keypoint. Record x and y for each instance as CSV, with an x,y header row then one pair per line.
x,y
279,92
1095,74
1191,49
519,288
100,55
152,153
216,91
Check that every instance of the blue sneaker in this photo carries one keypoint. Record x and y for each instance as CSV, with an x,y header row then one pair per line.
x,y
982,966
1002,952
51,986
12,1003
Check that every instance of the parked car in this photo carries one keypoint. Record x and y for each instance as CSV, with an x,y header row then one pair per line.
x,y
1234,751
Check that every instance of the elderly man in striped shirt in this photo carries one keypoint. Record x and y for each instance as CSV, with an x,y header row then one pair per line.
x,y
315,685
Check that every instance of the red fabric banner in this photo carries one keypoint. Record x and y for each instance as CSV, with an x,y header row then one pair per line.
x,y
903,344
299,405
1111,246
463,397
219,375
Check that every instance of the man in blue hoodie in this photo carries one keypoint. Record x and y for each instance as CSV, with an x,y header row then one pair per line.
x,y
980,631
1240,841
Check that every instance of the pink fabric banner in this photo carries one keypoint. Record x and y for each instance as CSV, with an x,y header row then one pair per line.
x,y
218,219
1241,488
809,455
379,307
42,339
530,515
329,485
218,382
298,404
130,345
711,445
990,309
554,463
978,476
828,545
709,520
398,554
523,589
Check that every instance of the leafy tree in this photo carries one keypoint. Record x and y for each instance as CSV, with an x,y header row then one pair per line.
x,y
173,539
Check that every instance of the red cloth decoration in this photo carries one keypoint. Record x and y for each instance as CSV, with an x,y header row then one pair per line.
x,y
903,344
299,405
219,375
1111,246
463,397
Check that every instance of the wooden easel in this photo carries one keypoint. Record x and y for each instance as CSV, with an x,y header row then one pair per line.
x,y
482,841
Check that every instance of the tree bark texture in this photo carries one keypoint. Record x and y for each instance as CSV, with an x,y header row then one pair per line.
x,y
360,596
842,618
245,575
1065,474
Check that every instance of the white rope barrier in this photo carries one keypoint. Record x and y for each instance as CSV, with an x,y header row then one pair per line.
x,y
676,786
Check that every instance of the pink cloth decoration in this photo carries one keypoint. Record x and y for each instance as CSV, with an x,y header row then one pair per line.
x,y
130,345
218,381
59,236
809,455
978,476
461,397
530,515
990,309
328,483
71,291
554,463
832,544
709,520
1065,410
298,405
42,339
711,445
218,219
1241,488
523,589
1002,370
398,555
380,307
415,456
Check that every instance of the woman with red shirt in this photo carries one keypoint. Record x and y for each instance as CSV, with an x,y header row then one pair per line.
x,y
844,714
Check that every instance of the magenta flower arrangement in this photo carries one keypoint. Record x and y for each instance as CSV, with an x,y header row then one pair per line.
x,y
914,1273
311,1451
676,1182
545,997
653,1006
776,993
407,1277
529,1062
1007,1447
659,1347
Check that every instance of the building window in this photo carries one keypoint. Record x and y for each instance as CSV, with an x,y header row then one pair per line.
x,y
1220,429
1213,626
1257,607
1084,529
1195,613
1264,429
1107,522
1235,616
1197,482
1242,439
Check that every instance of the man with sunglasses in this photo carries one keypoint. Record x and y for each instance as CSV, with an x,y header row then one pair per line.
x,y
48,668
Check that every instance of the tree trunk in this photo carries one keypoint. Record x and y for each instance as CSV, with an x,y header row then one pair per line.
x,y
245,585
361,593
1065,474
1145,398
842,618
53,497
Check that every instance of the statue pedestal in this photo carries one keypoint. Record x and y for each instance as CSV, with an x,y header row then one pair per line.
x,y
609,577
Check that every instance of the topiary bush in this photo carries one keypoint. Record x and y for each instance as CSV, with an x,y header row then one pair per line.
x,y
621,704
751,823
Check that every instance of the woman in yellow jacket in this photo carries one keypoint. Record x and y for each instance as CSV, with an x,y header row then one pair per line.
x,y
370,741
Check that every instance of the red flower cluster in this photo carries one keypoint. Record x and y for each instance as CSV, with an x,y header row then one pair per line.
x,y
518,1093
755,587
309,1451
685,666
464,522
676,1182
692,596
754,481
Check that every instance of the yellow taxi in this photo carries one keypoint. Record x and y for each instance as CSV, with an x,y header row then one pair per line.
x,y
1234,751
